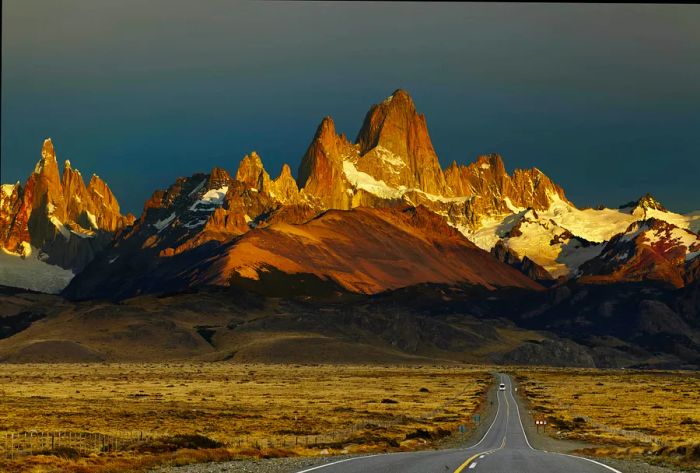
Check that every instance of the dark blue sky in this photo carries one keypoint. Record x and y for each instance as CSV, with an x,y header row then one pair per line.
x,y
603,98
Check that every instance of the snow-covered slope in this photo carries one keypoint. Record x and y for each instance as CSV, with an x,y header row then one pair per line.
x,y
650,249
30,272
562,237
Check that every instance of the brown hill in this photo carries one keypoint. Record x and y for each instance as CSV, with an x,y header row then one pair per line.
x,y
362,250
367,251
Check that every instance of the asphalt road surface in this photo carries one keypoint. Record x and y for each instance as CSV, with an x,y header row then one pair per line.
x,y
503,449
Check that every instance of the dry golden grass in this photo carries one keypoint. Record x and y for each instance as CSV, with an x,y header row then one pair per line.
x,y
628,413
254,410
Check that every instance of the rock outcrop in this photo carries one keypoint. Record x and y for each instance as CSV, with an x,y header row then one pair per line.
x,y
525,265
252,173
285,188
492,191
321,173
395,147
68,221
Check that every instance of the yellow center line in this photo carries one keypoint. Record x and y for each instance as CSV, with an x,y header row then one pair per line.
x,y
471,459
486,452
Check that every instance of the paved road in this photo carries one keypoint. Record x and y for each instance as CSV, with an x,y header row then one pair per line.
x,y
503,449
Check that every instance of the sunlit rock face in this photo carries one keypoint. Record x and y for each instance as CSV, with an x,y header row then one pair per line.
x,y
59,215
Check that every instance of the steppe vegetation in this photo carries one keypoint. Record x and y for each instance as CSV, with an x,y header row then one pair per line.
x,y
172,413
654,415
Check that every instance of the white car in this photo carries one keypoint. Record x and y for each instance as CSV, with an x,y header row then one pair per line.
x,y
502,387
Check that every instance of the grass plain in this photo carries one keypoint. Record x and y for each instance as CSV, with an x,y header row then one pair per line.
x,y
253,410
654,415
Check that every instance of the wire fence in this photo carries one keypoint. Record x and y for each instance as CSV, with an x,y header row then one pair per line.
x,y
82,443
17,444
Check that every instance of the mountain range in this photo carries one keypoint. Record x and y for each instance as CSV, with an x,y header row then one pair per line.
x,y
371,218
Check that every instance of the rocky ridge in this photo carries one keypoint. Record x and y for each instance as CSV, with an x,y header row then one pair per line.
x,y
65,220
523,218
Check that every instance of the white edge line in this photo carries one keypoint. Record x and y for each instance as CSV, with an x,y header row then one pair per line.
x,y
498,409
588,459
518,410
335,463
556,453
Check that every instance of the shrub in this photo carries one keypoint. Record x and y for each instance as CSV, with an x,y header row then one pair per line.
x,y
176,442
62,452
419,434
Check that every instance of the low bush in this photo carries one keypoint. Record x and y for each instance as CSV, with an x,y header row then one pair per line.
x,y
176,442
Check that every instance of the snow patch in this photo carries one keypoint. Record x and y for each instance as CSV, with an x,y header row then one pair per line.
x,y
195,224
512,207
81,234
389,158
65,231
161,224
673,237
491,230
593,225
211,198
362,180
32,273
91,219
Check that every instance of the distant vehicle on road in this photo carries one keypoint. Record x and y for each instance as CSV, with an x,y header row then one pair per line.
x,y
502,387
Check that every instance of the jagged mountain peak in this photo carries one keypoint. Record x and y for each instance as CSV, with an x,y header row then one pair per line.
x,y
252,172
491,163
321,175
218,177
57,214
645,202
400,98
47,150
286,170
325,130
391,124
395,147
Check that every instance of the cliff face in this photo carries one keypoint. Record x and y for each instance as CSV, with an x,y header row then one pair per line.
x,y
395,147
493,191
321,173
62,217
393,162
